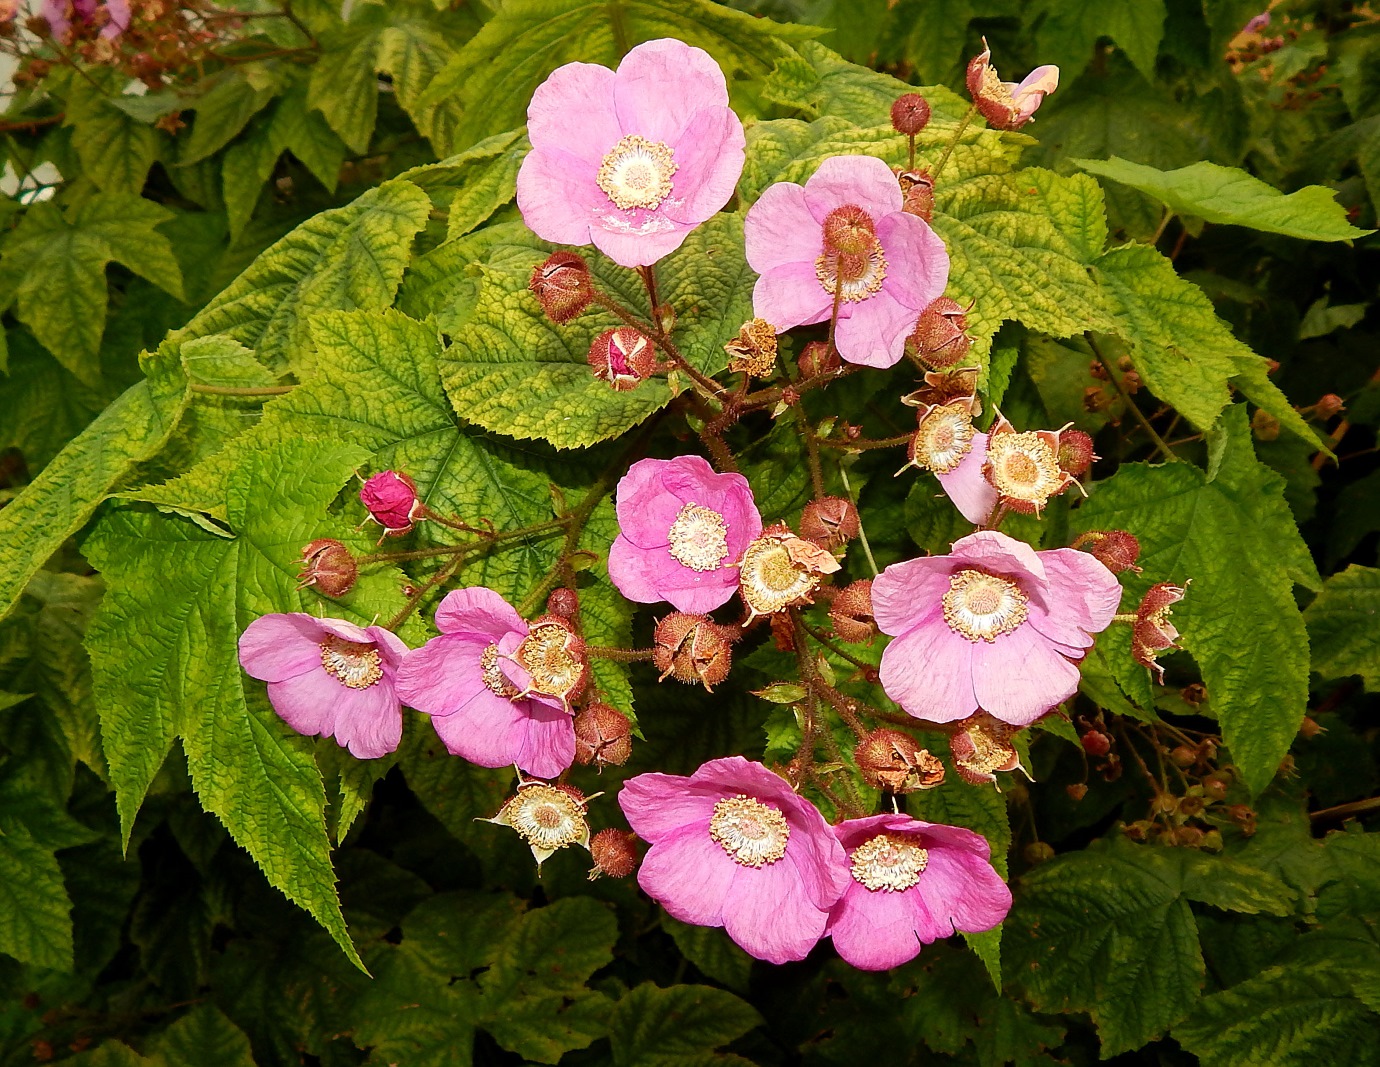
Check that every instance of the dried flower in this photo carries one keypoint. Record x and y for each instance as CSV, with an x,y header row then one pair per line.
x,y
779,570
1152,632
692,648
889,759
982,748
753,351
1008,105
329,566
546,817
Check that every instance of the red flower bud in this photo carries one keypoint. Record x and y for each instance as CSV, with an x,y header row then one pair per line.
x,y
563,602
1096,743
910,113
603,735
329,567
614,853
818,358
563,285
829,522
1329,405
939,336
392,501
851,612
1075,452
889,759
1116,550
623,357
692,648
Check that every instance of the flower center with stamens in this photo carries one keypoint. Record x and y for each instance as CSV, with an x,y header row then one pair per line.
x,y
769,579
996,90
637,173
943,437
493,675
983,607
854,276
752,833
1024,468
546,653
699,538
888,862
545,817
351,663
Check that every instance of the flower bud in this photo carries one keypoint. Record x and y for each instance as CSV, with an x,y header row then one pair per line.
x,y
1184,755
1215,786
910,114
889,759
623,357
1329,405
692,648
329,567
1077,791
1038,852
753,351
1075,453
1153,633
939,336
1310,728
564,602
1096,743
562,285
603,735
919,201
818,358
782,633
614,853
851,612
1116,550
829,522
1243,816
392,501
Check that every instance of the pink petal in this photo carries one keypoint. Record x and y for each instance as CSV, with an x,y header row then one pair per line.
x,y
768,912
1080,598
1020,676
709,160
700,593
307,702
573,111
657,805
548,741
780,230
917,261
274,648
994,551
688,874
558,197
368,721
860,181
790,296
962,891
818,857
645,506
905,593
873,333
443,675
1032,90
929,672
971,492
875,931
634,572
487,730
391,647
346,631
478,610
661,84
651,235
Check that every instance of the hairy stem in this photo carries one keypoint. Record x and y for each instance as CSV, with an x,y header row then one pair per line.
x,y
958,133
1163,448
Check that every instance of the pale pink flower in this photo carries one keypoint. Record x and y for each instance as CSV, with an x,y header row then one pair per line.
x,y
994,625
681,531
734,846
61,15
1008,105
845,227
329,678
1257,23
480,698
911,883
967,486
630,161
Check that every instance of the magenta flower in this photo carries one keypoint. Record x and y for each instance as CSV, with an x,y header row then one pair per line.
x,y
392,501
993,625
62,14
734,846
845,229
1008,105
329,678
1257,24
911,882
630,161
681,531
482,702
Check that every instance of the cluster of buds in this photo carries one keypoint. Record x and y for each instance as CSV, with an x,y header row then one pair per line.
x,y
693,649
1152,632
891,760
1007,105
780,570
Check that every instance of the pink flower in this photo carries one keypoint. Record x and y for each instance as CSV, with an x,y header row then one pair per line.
x,y
392,501
633,160
1008,105
845,228
734,846
681,531
1257,24
483,703
994,625
967,486
329,678
61,14
911,882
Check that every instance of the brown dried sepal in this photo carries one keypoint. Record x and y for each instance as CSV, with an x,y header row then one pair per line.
x,y
692,649
889,759
830,522
753,351
603,736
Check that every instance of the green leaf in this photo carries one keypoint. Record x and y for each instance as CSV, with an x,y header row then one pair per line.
x,y
1231,196
116,150
511,370
223,111
57,503
205,1037
342,259
1067,35
473,185
1343,626
35,912
1233,536
164,658
712,951
55,263
224,363
492,77
678,1027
